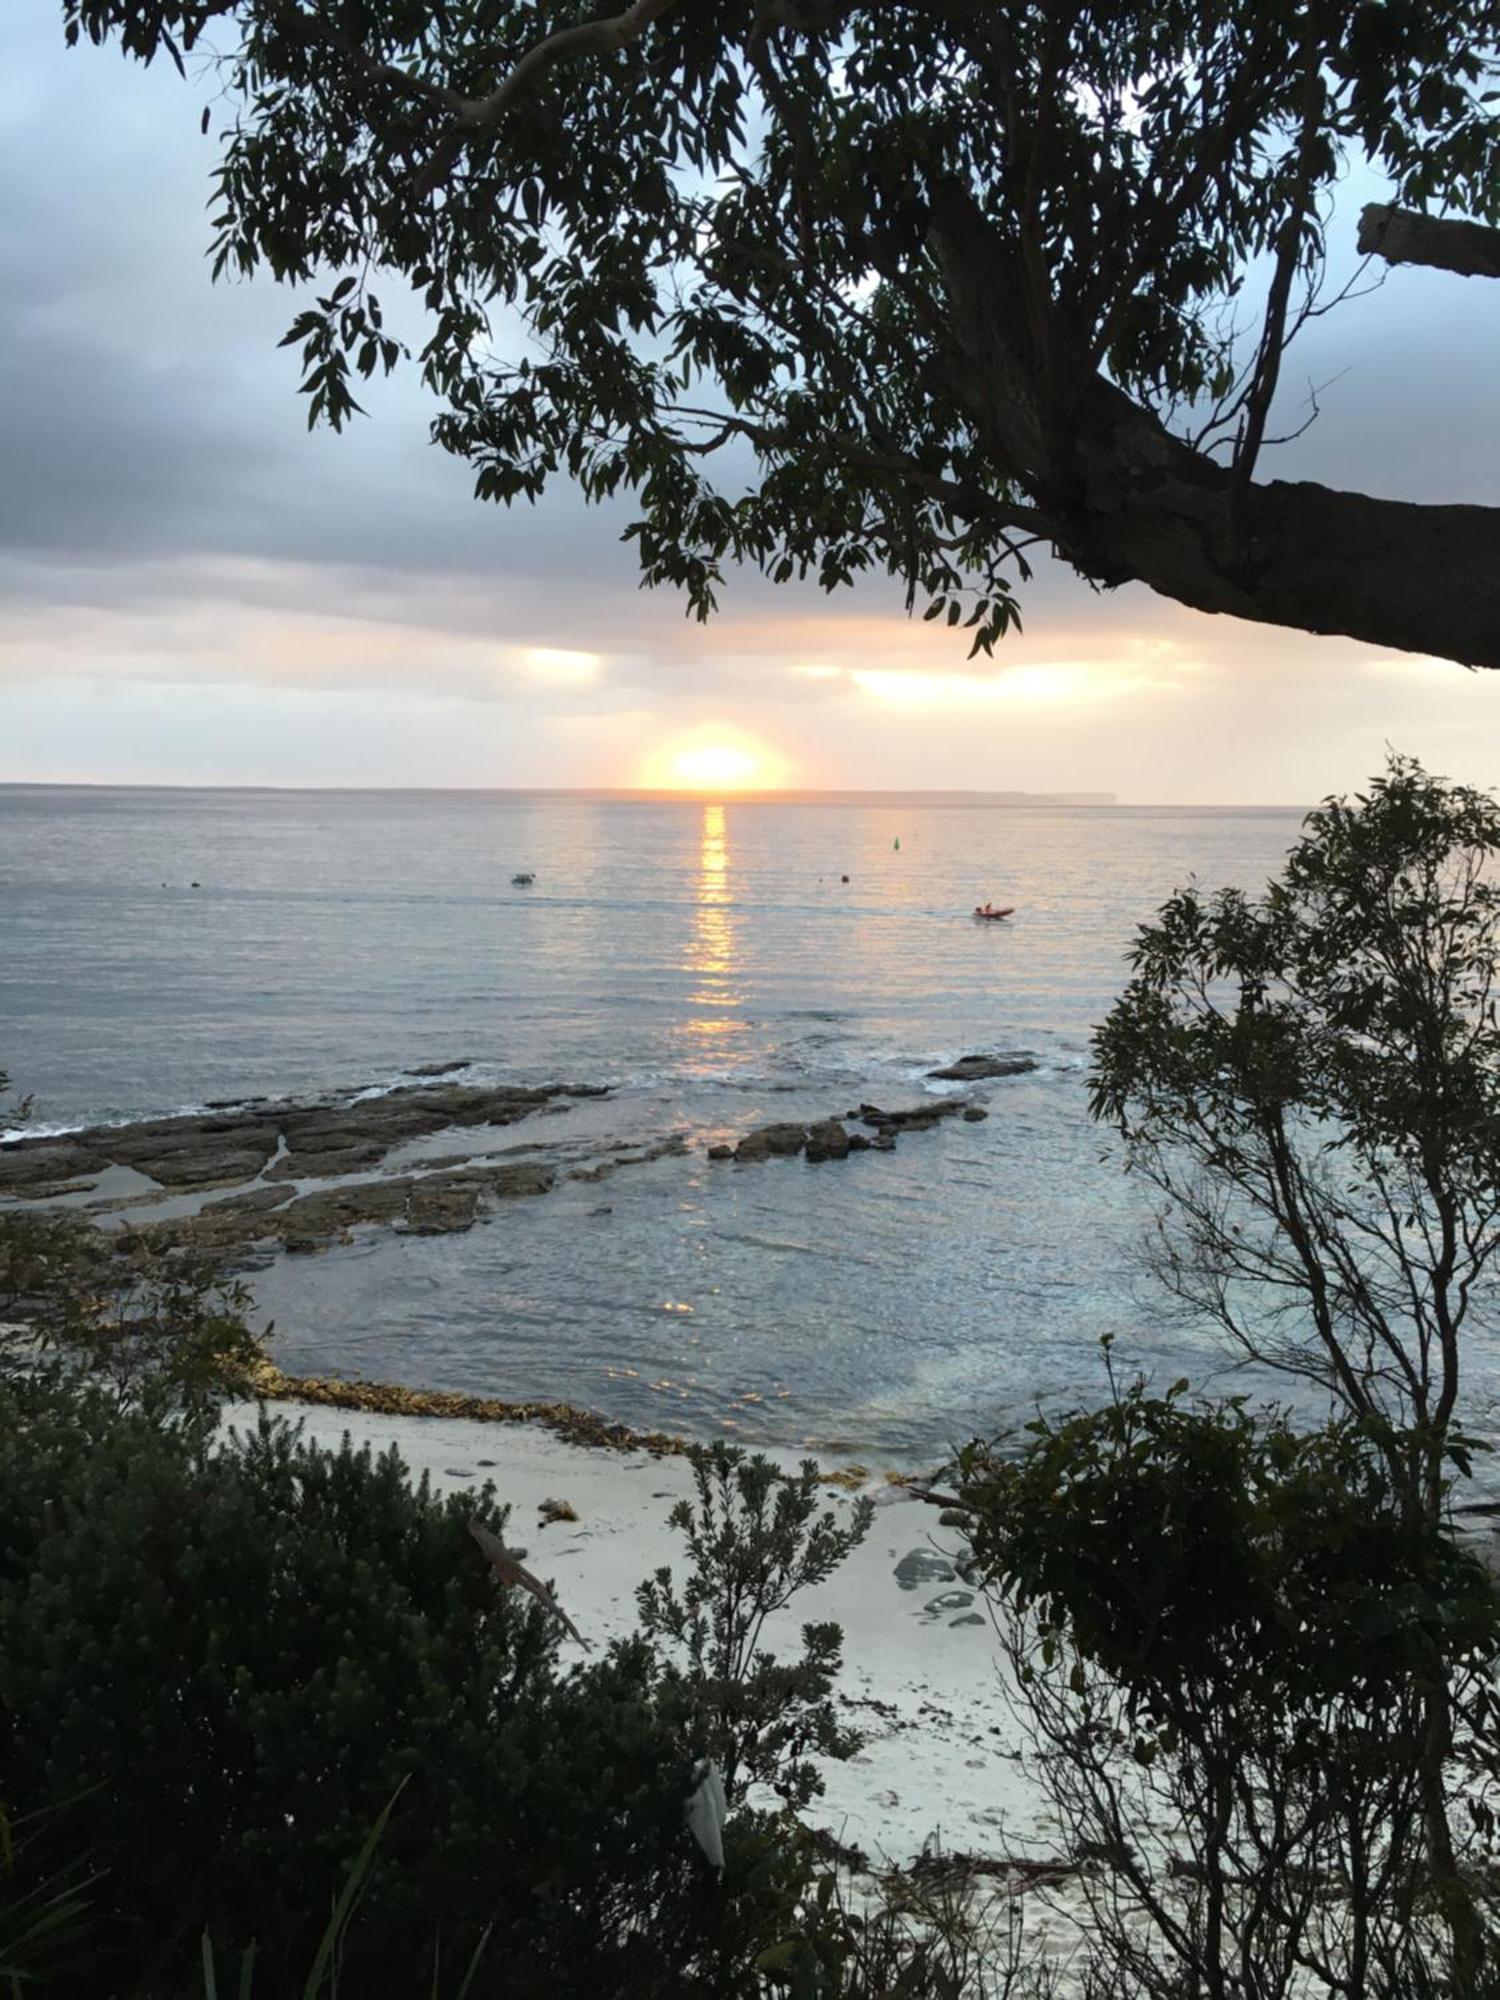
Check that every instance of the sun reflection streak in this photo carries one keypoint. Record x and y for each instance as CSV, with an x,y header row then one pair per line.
x,y
711,948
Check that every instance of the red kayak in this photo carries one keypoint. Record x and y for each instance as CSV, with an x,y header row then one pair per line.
x,y
988,914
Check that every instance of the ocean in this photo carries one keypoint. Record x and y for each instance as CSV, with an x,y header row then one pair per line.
x,y
710,963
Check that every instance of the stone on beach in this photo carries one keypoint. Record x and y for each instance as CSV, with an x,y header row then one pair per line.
x,y
921,1566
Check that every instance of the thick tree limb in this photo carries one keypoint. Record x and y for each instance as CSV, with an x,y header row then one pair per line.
x,y
1127,501
1402,236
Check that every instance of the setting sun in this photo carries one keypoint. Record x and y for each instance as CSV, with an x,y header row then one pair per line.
x,y
714,764
715,761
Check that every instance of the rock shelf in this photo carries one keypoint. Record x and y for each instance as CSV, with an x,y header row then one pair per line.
x,y
236,1144
303,1176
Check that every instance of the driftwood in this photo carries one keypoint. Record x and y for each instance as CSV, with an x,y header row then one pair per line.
x,y
512,1573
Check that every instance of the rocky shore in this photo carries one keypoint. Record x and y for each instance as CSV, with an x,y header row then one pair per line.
x,y
228,1144
303,1175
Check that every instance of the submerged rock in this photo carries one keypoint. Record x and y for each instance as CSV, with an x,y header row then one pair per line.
x,y
912,1118
768,1139
973,1069
827,1140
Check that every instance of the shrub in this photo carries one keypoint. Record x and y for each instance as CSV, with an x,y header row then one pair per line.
x,y
756,1539
1225,1633
159,1333
231,1660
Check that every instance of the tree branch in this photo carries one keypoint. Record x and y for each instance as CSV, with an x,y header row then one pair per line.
x,y
614,31
1402,236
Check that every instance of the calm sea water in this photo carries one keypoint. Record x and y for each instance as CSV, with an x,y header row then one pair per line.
x,y
710,963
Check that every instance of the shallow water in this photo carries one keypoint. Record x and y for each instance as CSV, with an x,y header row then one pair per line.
x,y
707,961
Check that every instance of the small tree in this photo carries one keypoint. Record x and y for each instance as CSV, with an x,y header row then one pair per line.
x,y
1226,1633
1312,1079
756,1539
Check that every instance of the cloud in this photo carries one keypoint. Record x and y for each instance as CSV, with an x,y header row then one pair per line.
x,y
1071,683
184,569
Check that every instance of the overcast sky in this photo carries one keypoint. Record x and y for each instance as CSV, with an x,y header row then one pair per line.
x,y
193,590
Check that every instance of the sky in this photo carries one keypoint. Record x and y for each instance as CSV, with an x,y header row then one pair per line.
x,y
194,590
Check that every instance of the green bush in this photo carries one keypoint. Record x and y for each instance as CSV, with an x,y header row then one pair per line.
x,y
1226,1634
230,1661
157,1331
756,1539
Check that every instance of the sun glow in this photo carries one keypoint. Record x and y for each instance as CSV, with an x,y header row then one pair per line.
x,y
714,761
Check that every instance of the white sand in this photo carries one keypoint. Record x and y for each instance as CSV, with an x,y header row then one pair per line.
x,y
941,1759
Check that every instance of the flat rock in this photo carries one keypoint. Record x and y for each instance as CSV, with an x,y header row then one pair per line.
x,y
418,1205
233,1144
440,1211
25,1163
973,1069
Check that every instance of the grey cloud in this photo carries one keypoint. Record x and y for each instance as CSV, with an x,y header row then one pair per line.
x,y
146,418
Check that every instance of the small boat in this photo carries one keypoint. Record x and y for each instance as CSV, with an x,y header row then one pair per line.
x,y
987,913
522,881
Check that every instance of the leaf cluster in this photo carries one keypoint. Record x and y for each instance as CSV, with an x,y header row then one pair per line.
x,y
1212,1562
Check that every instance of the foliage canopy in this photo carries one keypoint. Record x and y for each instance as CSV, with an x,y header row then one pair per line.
x,y
838,285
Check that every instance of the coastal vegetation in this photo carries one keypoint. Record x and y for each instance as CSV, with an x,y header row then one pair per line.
x,y
270,1720
1262,1636
227,1661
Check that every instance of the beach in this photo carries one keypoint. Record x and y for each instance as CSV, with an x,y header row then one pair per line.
x,y
941,1764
